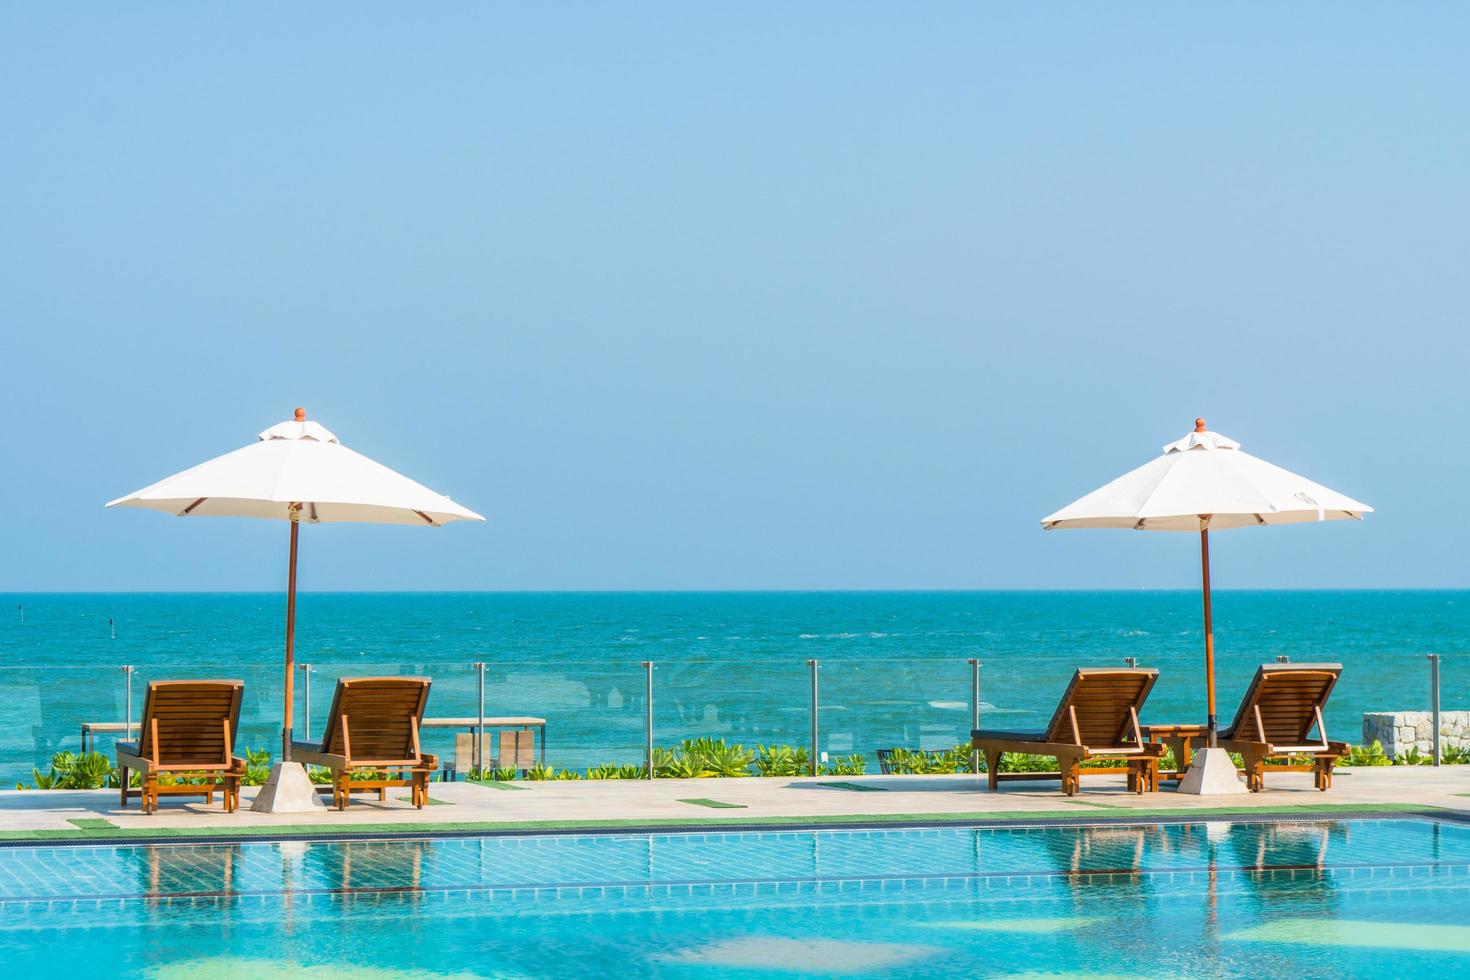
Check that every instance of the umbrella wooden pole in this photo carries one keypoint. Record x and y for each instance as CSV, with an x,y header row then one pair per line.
x,y
1204,560
290,642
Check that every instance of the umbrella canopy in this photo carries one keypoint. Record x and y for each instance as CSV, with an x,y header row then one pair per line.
x,y
1205,482
1206,479
298,464
297,471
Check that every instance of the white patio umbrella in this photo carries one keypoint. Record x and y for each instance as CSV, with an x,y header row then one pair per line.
x,y
1204,482
297,471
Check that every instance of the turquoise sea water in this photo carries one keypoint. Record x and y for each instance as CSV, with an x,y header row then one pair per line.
x,y
893,666
1350,899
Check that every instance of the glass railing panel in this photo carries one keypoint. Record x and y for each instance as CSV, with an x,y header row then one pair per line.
x,y
752,703
43,710
871,705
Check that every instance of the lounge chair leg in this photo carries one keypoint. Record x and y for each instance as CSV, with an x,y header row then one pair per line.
x,y
1071,775
1255,777
123,778
992,769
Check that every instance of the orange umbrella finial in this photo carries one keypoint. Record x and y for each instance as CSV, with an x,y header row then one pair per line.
x,y
1199,424
301,415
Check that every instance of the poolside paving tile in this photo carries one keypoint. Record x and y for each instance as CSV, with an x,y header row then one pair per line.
x,y
659,801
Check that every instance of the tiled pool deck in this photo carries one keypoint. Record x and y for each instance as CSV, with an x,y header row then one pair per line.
x,y
464,806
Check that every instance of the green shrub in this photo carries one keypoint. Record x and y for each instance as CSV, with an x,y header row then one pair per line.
x,y
258,767
67,770
846,765
1455,755
782,761
1413,757
1366,755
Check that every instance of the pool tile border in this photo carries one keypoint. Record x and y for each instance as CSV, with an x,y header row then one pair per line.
x,y
431,831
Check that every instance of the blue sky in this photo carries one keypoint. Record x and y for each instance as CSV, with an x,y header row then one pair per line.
x,y
776,296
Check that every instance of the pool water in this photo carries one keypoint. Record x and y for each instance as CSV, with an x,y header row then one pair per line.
x,y
1300,899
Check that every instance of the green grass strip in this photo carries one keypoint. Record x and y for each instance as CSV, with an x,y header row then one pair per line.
x,y
405,829
91,823
715,804
496,784
852,787
432,801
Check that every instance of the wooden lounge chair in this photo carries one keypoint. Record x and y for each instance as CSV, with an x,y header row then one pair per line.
x,y
1281,707
1097,716
188,730
372,738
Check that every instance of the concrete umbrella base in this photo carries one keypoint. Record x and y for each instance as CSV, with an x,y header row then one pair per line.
x,y
1211,773
287,791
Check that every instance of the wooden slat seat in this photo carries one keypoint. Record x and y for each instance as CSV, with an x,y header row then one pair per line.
x,y
1097,716
188,730
373,724
1276,718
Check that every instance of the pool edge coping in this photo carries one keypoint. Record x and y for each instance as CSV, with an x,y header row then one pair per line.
x,y
717,824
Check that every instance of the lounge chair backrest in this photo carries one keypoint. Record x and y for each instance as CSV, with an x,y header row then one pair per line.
x,y
1289,697
382,718
195,722
1104,702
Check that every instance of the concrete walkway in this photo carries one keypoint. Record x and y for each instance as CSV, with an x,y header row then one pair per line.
x,y
673,801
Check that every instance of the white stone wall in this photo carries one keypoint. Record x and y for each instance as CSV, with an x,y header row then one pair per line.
x,y
1399,731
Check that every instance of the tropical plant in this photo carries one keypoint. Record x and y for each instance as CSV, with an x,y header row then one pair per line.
x,y
257,767
846,765
568,774
1413,757
539,773
92,770
1455,755
782,760
67,770
1366,755
605,771
718,758
677,765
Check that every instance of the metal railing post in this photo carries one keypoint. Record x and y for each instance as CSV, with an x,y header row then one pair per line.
x,y
128,702
479,753
816,759
1434,702
648,716
306,698
974,713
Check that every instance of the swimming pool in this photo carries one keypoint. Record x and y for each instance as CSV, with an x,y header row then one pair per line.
x,y
1305,899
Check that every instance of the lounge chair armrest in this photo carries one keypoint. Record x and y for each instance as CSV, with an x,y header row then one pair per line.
x,y
1244,745
429,762
132,760
313,755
